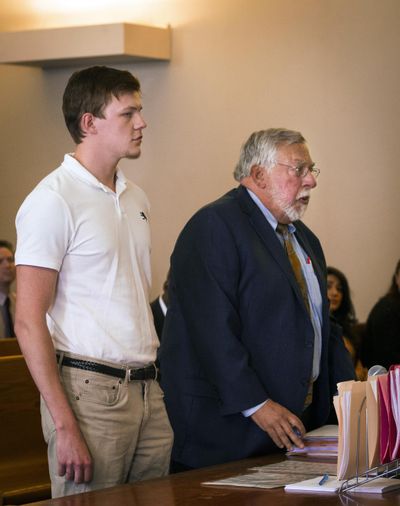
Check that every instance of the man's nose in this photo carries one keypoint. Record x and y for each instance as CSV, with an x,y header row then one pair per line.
x,y
309,180
140,122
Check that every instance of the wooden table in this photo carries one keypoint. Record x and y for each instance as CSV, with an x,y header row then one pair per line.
x,y
185,489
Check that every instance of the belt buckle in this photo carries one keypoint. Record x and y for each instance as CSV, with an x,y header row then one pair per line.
x,y
131,371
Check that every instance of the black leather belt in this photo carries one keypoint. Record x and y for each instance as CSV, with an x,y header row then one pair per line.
x,y
140,374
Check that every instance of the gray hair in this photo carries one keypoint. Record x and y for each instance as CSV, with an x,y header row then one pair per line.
x,y
261,147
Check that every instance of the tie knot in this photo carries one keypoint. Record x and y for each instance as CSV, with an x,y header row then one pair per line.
x,y
282,229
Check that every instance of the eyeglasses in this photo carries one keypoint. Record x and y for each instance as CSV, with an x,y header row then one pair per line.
x,y
301,171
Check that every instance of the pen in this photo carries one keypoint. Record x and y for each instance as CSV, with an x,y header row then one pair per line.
x,y
296,431
324,479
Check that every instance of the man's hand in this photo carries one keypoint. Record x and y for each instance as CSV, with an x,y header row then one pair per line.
x,y
280,424
74,460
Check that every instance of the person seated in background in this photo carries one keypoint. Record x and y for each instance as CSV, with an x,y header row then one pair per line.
x,y
159,308
7,296
382,337
342,311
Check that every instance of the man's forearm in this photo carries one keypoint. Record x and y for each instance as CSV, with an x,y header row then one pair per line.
x,y
39,353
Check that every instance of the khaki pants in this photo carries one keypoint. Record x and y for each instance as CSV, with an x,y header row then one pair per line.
x,y
125,426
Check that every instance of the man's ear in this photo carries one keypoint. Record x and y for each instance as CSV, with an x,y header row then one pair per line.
x,y
87,123
257,174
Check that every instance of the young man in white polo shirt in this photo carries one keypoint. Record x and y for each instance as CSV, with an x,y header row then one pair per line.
x,y
83,317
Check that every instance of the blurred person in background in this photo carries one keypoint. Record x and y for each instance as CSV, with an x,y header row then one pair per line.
x,y
382,337
7,296
342,312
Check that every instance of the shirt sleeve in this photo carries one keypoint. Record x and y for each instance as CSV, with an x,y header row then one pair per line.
x,y
44,228
248,412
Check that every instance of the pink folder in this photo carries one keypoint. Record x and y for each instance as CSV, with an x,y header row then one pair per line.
x,y
394,391
387,424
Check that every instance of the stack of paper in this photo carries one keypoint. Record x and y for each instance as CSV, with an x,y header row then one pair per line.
x,y
378,486
275,475
318,443
369,435
313,485
350,408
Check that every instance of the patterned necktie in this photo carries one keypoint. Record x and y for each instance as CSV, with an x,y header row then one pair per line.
x,y
8,323
296,266
294,261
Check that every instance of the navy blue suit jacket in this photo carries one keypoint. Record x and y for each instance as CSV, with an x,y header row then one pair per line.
x,y
237,332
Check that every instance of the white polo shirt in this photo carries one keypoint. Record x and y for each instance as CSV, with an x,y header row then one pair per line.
x,y
99,242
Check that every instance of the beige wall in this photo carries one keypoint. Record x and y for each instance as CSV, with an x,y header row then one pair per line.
x,y
329,68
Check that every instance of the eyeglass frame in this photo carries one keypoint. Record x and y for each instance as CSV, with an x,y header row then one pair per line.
x,y
302,168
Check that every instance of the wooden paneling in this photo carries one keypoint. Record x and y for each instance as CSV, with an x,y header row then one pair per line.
x,y
23,453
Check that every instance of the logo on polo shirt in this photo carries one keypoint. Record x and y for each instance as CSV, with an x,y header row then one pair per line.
x,y
143,216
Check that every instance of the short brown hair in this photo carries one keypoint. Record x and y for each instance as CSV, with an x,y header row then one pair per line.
x,y
90,90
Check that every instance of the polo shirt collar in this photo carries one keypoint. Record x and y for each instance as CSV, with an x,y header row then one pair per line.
x,y
72,165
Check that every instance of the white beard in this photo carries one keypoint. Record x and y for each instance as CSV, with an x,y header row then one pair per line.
x,y
292,212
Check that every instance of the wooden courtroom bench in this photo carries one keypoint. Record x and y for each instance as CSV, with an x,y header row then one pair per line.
x,y
9,346
24,475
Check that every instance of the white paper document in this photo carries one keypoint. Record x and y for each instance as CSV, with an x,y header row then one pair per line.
x,y
276,475
378,486
332,484
258,479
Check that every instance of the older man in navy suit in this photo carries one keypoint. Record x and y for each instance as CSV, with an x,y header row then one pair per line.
x,y
248,358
